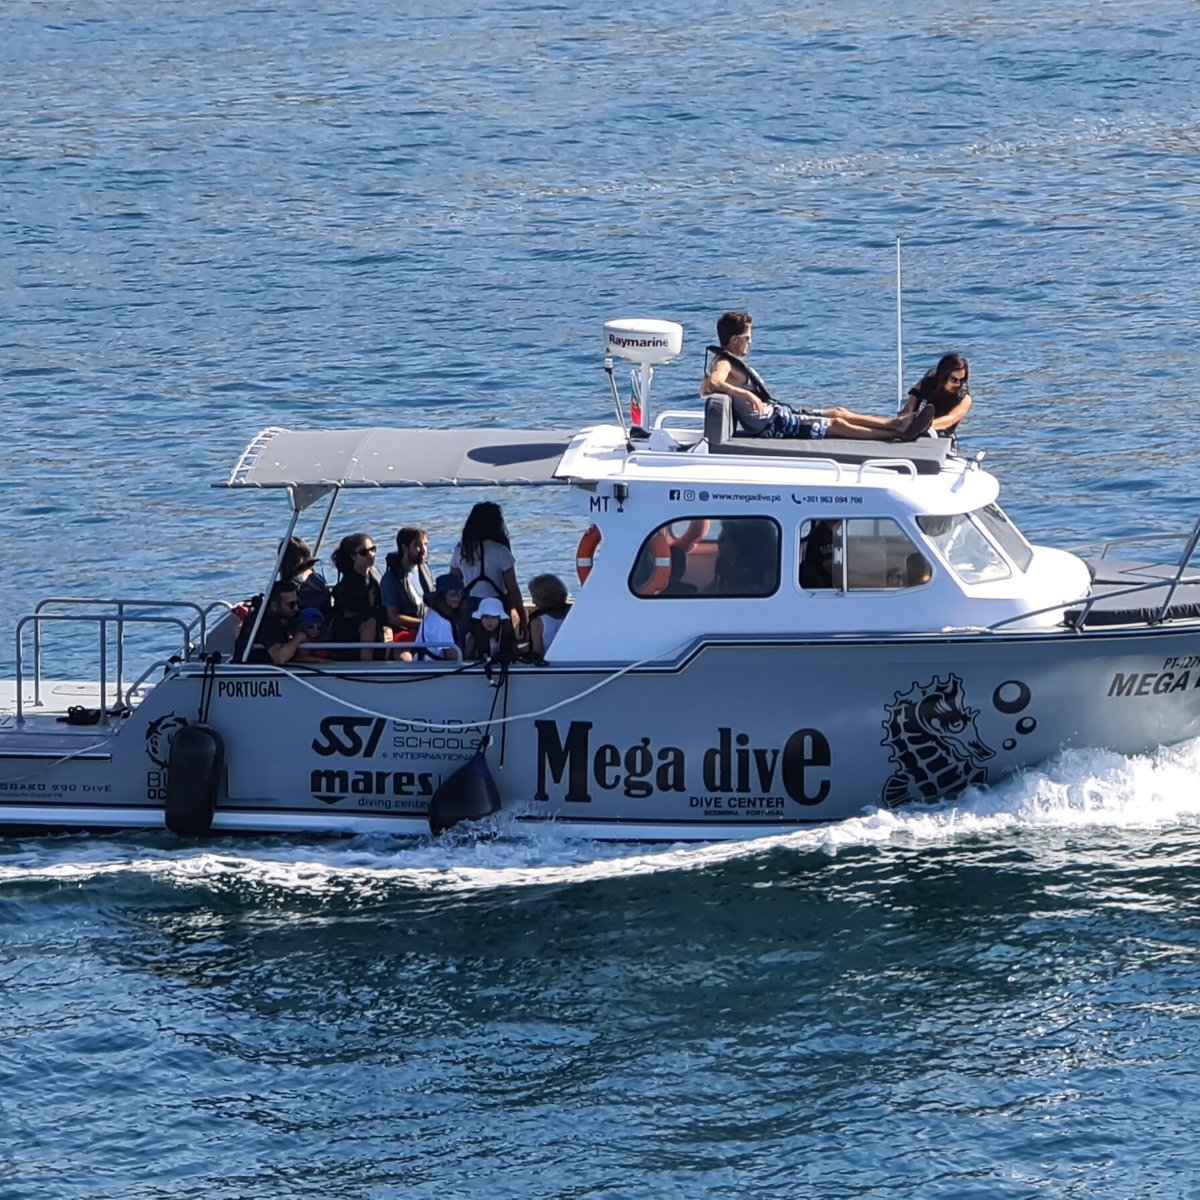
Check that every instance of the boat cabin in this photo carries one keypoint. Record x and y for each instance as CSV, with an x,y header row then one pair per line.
x,y
690,530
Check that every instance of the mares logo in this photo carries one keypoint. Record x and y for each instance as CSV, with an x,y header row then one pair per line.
x,y
349,737
331,785
733,766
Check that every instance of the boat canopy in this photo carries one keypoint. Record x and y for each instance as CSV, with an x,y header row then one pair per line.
x,y
313,461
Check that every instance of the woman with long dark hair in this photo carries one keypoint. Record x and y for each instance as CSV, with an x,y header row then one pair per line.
x,y
945,387
298,568
483,560
357,603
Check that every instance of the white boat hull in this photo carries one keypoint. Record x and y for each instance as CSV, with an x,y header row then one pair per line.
x,y
737,738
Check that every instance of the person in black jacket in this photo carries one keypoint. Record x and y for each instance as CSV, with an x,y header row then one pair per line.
x,y
358,614
406,582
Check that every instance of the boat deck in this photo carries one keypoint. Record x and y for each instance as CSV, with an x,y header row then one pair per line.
x,y
1129,593
45,731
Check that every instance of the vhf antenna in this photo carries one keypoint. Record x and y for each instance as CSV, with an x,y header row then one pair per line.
x,y
899,334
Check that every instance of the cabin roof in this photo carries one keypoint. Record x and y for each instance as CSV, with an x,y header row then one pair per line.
x,y
313,461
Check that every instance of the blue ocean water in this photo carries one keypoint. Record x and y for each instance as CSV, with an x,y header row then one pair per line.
x,y
221,216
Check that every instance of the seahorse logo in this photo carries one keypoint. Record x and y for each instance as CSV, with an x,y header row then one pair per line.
x,y
930,730
159,735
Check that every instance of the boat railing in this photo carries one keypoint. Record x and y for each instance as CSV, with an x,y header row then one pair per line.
x,y
390,647
197,628
104,623
1086,604
904,466
1138,538
684,416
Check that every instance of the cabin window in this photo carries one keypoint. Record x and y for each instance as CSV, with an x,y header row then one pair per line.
x,y
1006,535
859,554
707,557
971,556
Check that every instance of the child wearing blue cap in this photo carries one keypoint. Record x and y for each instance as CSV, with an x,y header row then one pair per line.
x,y
441,624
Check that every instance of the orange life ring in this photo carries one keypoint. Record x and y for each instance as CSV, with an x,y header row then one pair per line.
x,y
660,548
585,550
691,535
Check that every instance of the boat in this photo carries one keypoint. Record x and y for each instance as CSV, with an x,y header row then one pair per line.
x,y
764,634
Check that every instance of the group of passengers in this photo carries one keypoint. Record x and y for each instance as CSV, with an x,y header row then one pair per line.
x,y
937,403
474,611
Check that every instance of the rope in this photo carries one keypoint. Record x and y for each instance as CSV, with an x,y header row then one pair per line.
x,y
439,726
58,762
207,682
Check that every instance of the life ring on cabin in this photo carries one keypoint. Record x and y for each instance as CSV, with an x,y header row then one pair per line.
x,y
585,551
659,549
691,535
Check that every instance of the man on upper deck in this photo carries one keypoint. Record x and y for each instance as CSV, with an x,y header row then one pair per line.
x,y
761,415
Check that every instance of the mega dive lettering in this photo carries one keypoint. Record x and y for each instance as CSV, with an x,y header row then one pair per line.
x,y
733,765
1147,683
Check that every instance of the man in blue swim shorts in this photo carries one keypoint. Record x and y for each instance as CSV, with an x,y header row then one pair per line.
x,y
761,415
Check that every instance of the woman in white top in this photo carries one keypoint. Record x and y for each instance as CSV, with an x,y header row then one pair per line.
x,y
483,560
442,622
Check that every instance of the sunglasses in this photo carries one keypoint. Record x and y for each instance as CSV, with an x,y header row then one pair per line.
x,y
362,551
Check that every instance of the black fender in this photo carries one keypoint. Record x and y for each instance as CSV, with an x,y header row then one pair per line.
x,y
195,768
470,794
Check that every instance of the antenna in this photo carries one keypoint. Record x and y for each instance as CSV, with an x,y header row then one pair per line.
x,y
608,369
899,333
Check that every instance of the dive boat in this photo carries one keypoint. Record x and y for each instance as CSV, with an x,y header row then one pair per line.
x,y
765,634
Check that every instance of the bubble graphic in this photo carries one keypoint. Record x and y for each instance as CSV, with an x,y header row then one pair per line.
x,y
1010,743
1026,725
1012,697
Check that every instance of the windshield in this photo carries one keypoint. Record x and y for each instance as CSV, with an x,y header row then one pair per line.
x,y
971,556
996,521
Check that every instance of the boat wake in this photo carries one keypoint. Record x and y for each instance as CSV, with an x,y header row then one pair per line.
x,y
1080,790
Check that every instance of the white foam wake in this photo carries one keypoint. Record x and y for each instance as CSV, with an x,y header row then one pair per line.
x,y
1095,790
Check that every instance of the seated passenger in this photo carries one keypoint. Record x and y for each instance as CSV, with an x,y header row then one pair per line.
x,y
490,634
443,618
746,559
945,388
298,568
311,622
357,602
483,560
405,583
761,415
278,640
550,608
817,565
917,570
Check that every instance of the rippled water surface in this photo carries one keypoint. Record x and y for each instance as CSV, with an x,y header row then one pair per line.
x,y
217,217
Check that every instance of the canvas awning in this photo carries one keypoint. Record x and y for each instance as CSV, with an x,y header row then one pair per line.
x,y
312,461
